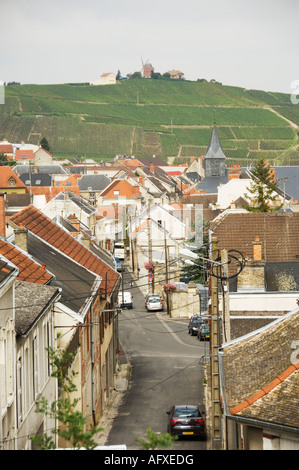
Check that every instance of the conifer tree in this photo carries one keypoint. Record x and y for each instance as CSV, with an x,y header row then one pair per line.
x,y
263,189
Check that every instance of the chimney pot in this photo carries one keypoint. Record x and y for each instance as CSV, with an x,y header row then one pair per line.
x,y
21,238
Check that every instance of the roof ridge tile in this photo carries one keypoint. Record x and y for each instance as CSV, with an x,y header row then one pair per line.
x,y
265,390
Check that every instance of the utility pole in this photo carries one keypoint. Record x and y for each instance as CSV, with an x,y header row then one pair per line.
x,y
150,256
166,272
225,297
214,346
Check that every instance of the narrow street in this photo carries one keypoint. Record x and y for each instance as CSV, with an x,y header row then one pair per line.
x,y
166,370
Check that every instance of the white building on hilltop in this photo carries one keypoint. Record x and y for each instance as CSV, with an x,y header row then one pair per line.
x,y
106,79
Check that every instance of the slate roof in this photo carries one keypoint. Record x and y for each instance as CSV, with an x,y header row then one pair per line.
x,y
75,280
210,184
214,149
154,160
33,179
278,274
49,169
95,182
260,376
30,302
29,270
287,178
35,221
78,200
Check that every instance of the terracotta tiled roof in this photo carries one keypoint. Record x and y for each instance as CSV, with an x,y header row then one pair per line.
x,y
26,154
51,191
277,232
29,270
124,187
6,148
5,174
132,162
43,227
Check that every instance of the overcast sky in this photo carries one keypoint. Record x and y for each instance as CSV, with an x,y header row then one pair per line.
x,y
252,43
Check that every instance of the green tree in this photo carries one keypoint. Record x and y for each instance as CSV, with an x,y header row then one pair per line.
x,y
4,160
136,75
262,189
71,423
156,441
197,272
45,144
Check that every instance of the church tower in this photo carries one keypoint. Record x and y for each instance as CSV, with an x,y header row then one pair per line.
x,y
214,159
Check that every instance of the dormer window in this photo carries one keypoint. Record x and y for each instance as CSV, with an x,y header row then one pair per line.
x,y
11,182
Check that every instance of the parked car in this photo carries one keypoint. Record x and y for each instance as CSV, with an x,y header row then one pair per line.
x,y
203,333
120,267
194,325
148,296
154,303
186,420
127,301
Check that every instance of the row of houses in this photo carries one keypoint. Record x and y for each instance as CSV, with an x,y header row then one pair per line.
x,y
58,289
67,228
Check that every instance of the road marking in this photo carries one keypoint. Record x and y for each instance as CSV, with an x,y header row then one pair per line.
x,y
173,334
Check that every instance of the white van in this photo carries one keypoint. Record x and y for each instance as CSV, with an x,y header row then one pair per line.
x,y
127,301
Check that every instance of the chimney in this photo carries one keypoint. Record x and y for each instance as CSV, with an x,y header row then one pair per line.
x,y
86,241
252,278
2,214
234,172
21,240
74,221
135,190
257,249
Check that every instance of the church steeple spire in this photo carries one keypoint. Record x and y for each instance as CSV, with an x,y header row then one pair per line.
x,y
214,160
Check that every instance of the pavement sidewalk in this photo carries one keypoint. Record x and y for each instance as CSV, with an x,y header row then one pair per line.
x,y
114,401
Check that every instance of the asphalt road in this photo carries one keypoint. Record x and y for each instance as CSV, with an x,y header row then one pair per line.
x,y
166,370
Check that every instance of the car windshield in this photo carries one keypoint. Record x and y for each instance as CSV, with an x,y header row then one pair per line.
x,y
154,299
186,413
196,321
205,328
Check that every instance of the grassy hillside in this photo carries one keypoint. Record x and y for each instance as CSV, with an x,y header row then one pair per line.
x,y
143,117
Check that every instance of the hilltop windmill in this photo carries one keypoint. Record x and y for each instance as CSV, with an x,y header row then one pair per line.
x,y
147,69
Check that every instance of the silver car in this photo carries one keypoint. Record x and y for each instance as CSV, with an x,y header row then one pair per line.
x,y
153,302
